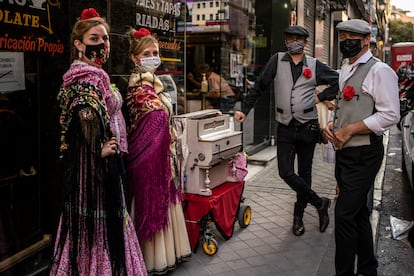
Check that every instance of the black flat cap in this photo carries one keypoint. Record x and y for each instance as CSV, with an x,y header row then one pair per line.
x,y
296,30
354,26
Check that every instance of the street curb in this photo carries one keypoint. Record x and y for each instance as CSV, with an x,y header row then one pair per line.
x,y
377,198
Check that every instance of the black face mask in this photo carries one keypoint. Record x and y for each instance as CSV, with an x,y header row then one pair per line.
x,y
97,53
350,47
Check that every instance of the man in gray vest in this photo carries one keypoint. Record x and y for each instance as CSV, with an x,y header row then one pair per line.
x,y
367,105
294,77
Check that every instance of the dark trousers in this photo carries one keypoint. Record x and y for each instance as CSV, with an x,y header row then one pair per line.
x,y
298,140
355,171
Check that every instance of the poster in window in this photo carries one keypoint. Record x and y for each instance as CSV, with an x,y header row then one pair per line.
x,y
12,72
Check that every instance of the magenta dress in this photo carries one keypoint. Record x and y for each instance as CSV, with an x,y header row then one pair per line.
x,y
96,235
156,209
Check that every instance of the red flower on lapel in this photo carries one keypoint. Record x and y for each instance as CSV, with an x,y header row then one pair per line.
x,y
348,92
307,73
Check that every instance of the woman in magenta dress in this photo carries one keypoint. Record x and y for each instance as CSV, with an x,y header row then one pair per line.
x,y
156,209
95,235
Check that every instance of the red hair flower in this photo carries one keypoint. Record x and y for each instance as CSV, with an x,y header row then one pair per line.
x,y
141,32
307,73
348,92
89,13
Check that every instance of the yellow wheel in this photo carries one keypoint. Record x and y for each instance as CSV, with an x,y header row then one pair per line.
x,y
245,216
211,247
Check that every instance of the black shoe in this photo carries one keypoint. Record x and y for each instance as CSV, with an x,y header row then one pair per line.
x,y
323,214
298,229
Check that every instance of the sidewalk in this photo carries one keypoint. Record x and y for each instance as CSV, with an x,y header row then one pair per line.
x,y
267,246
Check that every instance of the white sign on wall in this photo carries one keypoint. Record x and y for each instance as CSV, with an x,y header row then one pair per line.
x,y
406,57
12,71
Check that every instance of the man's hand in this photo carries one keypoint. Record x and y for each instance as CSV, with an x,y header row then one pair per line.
x,y
327,132
329,104
315,98
342,135
339,138
239,116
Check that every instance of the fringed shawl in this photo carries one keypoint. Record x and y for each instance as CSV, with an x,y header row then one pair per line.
x,y
149,164
80,95
111,98
93,191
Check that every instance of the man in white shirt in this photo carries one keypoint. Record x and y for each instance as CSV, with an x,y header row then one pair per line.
x,y
367,105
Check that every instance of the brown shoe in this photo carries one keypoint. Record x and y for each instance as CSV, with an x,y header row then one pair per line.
x,y
298,229
323,214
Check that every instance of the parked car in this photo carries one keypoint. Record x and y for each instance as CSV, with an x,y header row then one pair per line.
x,y
407,129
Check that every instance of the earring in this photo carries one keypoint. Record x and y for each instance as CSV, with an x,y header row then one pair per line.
x,y
80,54
136,67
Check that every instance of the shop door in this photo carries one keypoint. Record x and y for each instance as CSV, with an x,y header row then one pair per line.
x,y
19,185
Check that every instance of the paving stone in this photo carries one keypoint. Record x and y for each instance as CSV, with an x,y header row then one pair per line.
x,y
267,246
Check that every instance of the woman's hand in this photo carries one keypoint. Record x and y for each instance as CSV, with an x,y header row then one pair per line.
x,y
110,147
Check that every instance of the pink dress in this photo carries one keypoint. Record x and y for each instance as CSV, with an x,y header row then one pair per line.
x,y
96,235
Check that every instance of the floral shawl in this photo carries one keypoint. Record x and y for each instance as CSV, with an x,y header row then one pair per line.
x,y
149,167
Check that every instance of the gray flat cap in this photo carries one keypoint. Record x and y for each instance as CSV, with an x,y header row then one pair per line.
x,y
296,30
354,26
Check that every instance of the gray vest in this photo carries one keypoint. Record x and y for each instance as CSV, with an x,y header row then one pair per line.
x,y
358,108
294,100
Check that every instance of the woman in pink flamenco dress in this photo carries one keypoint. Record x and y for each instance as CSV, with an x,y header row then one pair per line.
x,y
95,236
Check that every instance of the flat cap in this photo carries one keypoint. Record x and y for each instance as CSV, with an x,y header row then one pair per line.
x,y
296,30
354,26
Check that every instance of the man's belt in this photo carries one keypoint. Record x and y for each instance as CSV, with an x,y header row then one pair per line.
x,y
307,110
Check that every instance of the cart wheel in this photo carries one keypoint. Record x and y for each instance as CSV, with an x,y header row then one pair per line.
x,y
245,216
211,247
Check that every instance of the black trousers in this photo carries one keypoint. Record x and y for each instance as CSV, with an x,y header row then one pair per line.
x,y
355,171
299,140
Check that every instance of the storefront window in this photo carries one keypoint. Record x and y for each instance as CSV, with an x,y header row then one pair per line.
x,y
33,52
226,35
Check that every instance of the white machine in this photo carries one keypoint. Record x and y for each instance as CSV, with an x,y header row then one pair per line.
x,y
206,143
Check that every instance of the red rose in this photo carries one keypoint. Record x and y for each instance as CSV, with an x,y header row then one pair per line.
x,y
141,32
89,13
307,73
348,92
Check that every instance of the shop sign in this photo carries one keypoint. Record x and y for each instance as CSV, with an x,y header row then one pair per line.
x,y
157,14
27,26
12,71
160,17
